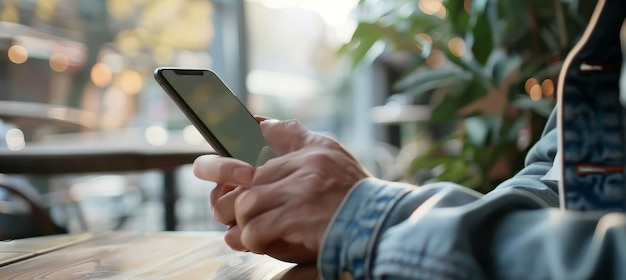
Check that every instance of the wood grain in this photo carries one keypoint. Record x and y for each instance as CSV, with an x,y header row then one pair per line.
x,y
167,255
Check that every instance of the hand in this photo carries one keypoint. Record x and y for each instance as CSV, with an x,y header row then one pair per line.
x,y
285,210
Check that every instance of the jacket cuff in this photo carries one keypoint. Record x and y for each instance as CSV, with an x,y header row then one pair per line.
x,y
350,238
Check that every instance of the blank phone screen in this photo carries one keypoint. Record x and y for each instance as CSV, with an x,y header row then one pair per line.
x,y
220,111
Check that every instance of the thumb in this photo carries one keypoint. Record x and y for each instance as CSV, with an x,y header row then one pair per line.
x,y
284,136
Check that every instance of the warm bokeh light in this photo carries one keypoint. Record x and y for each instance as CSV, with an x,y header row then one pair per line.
x,y
192,135
535,92
467,4
9,13
15,139
45,9
433,7
120,9
425,37
17,54
59,62
156,135
129,81
127,42
436,59
548,88
457,46
530,83
101,75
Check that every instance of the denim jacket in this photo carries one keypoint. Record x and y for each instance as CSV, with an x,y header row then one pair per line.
x,y
390,230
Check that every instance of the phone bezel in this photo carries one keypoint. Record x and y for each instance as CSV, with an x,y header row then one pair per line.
x,y
187,110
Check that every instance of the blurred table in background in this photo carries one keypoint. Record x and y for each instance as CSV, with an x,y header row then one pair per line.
x,y
31,114
127,255
107,151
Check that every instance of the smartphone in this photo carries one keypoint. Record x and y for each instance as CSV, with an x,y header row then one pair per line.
x,y
216,112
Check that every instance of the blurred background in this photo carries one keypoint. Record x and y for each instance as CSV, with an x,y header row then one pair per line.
x,y
418,90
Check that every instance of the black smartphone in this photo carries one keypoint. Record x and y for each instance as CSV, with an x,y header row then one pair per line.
x,y
215,111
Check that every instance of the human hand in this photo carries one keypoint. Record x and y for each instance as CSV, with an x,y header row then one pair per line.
x,y
285,210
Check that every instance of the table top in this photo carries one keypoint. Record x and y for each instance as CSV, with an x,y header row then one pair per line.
x,y
100,151
129,255
29,114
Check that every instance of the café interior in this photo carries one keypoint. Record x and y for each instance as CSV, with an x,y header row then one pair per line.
x,y
88,137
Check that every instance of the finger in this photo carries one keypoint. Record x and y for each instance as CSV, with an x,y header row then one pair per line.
x,y
224,206
260,118
284,136
232,237
223,170
254,201
275,169
261,231
219,191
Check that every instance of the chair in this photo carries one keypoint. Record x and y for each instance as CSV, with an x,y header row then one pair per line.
x,y
16,222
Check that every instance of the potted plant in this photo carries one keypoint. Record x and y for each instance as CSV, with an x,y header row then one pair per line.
x,y
488,69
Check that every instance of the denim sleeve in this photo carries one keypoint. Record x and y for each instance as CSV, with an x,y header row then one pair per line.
x,y
539,160
388,230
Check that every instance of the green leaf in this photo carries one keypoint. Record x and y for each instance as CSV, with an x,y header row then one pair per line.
x,y
421,80
364,37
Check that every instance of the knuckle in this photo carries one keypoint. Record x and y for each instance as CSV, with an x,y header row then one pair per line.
x,y
232,238
249,238
292,123
244,204
218,217
331,144
318,158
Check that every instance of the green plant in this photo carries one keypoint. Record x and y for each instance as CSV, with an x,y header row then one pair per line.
x,y
487,67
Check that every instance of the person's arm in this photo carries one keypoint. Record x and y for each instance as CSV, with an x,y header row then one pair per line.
x,y
390,231
539,161
386,230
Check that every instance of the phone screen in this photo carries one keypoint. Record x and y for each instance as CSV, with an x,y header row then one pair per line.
x,y
215,111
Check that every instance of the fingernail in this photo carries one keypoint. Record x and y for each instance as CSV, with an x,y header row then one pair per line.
x,y
270,121
243,175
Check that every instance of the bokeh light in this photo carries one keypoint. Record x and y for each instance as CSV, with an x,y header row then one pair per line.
x,y
10,13
128,43
45,10
535,92
436,59
59,62
17,54
129,81
548,88
530,83
156,135
101,75
15,139
433,7
457,46
425,37
467,4
192,135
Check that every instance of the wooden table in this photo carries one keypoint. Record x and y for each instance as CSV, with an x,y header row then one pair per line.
x,y
127,255
107,151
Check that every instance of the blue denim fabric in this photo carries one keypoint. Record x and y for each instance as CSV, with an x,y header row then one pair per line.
x,y
593,117
387,230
